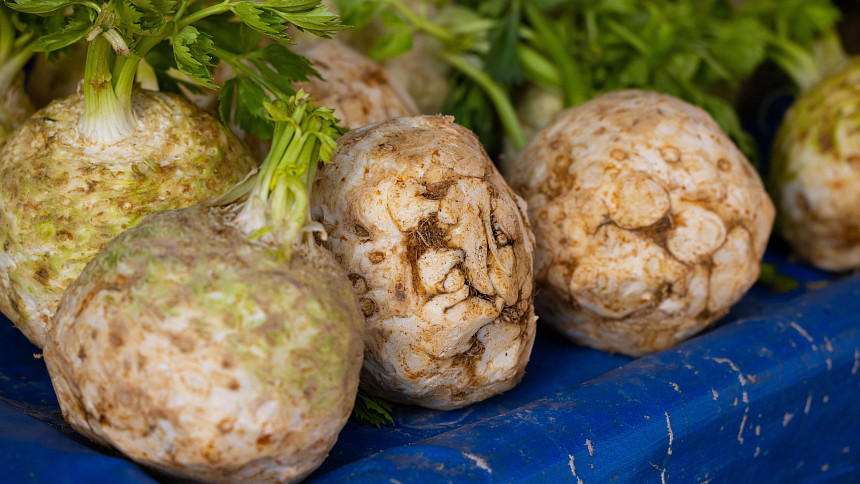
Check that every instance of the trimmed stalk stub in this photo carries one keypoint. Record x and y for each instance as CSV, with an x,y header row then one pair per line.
x,y
439,252
650,223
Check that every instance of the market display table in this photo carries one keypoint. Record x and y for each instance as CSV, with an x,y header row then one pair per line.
x,y
772,394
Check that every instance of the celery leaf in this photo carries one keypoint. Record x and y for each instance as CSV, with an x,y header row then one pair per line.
x,y
193,51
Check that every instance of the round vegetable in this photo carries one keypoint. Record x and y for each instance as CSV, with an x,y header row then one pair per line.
x,y
649,222
218,342
439,252
815,170
15,107
64,196
359,90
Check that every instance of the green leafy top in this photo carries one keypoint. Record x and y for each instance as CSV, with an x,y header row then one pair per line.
x,y
183,37
695,49
22,35
801,36
372,410
304,136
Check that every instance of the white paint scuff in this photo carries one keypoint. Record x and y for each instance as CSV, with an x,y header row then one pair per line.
x,y
802,331
675,386
481,463
787,418
590,447
714,392
808,405
671,434
572,466
741,377
743,424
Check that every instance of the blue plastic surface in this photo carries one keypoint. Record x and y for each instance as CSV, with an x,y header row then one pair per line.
x,y
770,395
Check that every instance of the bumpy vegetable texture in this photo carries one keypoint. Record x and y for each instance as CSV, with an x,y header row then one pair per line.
x,y
64,196
650,223
439,252
218,342
84,168
814,172
359,90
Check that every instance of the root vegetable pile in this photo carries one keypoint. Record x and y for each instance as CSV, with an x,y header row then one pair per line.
x,y
439,251
650,223
86,167
64,196
218,342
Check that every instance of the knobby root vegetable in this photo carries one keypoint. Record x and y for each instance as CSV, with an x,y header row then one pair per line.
x,y
650,223
15,108
217,342
815,172
439,252
203,355
359,90
64,196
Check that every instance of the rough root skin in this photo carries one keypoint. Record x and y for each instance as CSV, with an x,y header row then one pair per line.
x,y
15,108
359,90
63,198
815,172
650,223
206,356
439,251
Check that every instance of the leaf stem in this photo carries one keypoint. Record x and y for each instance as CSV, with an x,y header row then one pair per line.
x,y
107,116
573,90
201,14
422,23
537,67
7,34
13,66
500,99
304,135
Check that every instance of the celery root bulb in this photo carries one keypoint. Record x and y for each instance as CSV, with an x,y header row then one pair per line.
x,y
64,197
359,90
439,252
815,172
15,108
650,223
198,352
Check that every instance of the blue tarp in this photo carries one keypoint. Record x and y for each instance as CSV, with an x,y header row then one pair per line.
x,y
770,395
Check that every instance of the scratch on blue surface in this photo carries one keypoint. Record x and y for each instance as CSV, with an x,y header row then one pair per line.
x,y
802,331
671,434
787,418
856,361
741,377
590,447
808,405
572,465
743,424
481,463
